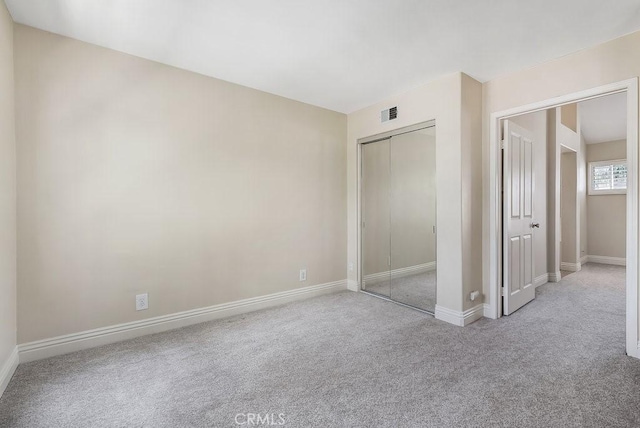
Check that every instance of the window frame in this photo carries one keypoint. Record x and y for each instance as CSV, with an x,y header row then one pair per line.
x,y
595,192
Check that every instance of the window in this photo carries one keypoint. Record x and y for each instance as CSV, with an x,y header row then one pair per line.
x,y
608,177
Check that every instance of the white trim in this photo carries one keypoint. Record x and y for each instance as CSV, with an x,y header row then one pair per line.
x,y
494,220
8,369
571,267
540,280
554,276
632,220
101,336
460,319
584,260
352,285
449,315
618,261
359,219
399,273
486,310
473,314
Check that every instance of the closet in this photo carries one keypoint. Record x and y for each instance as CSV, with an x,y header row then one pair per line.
x,y
398,217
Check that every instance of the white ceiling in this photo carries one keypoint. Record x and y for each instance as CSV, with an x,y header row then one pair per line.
x,y
604,119
338,54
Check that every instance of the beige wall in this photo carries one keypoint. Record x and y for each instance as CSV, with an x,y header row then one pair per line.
x,y
442,100
138,177
568,207
582,198
607,213
537,124
553,194
569,116
7,192
471,157
566,141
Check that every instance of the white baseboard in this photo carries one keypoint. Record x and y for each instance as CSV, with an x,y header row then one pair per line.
x,y
8,369
584,259
473,314
555,276
487,312
618,261
352,285
460,318
101,336
571,267
540,280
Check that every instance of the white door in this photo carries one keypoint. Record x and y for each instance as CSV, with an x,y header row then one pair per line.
x,y
518,221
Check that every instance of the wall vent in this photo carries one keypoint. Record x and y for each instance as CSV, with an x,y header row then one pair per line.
x,y
389,114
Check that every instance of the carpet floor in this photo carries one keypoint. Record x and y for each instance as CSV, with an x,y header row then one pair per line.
x,y
351,360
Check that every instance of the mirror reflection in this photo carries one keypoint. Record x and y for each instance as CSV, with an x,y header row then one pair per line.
x,y
376,236
398,200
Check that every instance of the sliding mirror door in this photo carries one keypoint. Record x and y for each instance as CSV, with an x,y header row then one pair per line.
x,y
412,218
398,213
375,218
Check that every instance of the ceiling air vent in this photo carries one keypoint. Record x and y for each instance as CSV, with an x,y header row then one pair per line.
x,y
389,114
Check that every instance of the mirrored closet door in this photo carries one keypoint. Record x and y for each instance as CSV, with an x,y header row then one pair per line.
x,y
398,213
376,231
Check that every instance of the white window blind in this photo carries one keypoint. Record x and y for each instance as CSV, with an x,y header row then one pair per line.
x,y
608,177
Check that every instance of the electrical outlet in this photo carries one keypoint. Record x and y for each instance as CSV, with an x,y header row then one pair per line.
x,y
350,267
303,274
142,302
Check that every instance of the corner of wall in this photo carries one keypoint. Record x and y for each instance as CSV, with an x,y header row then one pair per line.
x,y
8,250
471,148
7,369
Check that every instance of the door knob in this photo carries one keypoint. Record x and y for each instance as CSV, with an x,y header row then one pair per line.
x,y
537,225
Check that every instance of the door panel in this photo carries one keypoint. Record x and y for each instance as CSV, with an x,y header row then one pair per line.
x,y
527,244
375,218
518,218
528,178
412,219
514,253
514,178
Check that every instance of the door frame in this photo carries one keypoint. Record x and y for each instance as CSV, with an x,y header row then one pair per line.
x,y
361,142
630,86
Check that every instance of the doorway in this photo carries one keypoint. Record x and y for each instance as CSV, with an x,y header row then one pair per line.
x,y
497,222
398,217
